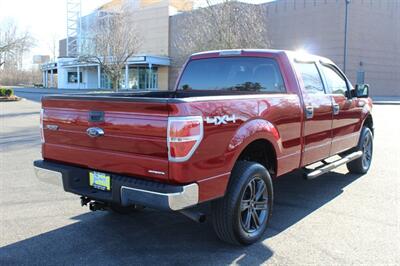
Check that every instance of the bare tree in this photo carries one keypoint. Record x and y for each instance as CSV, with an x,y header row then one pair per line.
x,y
226,24
28,77
13,43
53,46
113,40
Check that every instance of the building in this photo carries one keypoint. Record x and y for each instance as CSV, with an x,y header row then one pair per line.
x,y
146,70
317,26
40,59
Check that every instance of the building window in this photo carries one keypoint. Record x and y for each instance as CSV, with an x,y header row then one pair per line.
x,y
141,78
147,78
73,77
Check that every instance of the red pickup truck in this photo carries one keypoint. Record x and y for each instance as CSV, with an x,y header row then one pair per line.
x,y
236,120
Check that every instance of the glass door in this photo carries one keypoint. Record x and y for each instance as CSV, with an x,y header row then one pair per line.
x,y
147,78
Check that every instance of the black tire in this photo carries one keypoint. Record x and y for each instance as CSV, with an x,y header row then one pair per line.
x,y
117,208
230,222
365,144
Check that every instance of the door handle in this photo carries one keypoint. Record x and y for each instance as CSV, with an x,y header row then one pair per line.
x,y
309,112
336,108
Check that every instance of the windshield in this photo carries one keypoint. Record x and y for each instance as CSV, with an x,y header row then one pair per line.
x,y
255,74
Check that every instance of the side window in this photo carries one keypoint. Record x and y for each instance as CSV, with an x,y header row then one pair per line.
x,y
311,78
335,82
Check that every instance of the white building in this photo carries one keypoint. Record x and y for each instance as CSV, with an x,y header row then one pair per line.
x,y
147,70
140,72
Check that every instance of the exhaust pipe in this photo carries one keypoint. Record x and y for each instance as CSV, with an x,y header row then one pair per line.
x,y
196,216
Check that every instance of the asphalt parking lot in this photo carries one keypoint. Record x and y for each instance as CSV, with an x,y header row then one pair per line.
x,y
335,219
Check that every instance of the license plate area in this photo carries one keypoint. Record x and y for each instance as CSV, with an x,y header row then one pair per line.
x,y
101,181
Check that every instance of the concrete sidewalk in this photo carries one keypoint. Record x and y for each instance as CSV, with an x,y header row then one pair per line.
x,y
58,91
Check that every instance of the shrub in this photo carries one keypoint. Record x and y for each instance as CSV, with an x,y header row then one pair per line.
x,y
6,92
9,92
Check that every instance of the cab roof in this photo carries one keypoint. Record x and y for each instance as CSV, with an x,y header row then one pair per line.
x,y
302,56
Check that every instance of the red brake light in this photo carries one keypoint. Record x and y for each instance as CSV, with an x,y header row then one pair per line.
x,y
184,136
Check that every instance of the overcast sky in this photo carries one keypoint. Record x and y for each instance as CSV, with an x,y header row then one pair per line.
x,y
47,18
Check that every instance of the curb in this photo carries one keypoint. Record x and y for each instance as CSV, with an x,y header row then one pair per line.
x,y
386,102
11,100
54,92
34,92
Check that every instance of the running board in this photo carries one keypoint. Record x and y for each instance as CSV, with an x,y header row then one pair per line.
x,y
326,168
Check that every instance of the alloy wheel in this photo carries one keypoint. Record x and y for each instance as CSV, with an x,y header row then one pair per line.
x,y
254,205
367,152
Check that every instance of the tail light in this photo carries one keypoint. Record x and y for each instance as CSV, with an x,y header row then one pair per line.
x,y
184,136
41,125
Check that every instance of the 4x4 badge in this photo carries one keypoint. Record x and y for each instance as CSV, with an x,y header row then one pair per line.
x,y
218,120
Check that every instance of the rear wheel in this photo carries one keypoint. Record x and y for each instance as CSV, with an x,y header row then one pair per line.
x,y
242,215
365,144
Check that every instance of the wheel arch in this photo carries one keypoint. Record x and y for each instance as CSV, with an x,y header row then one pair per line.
x,y
258,140
262,152
369,122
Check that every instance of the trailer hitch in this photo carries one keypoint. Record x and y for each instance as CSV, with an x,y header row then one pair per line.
x,y
84,201
97,206
93,205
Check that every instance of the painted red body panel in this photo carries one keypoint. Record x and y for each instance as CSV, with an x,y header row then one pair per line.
x,y
222,145
135,141
136,132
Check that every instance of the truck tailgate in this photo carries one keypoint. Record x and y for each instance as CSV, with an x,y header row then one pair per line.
x,y
134,141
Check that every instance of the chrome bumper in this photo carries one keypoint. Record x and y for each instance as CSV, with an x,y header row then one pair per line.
x,y
124,190
49,176
189,196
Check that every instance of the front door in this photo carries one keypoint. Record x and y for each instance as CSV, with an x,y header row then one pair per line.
x,y
318,114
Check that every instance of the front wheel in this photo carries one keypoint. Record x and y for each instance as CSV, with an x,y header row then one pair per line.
x,y
365,144
242,215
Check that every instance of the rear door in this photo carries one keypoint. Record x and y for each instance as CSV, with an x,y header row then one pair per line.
x,y
346,112
317,131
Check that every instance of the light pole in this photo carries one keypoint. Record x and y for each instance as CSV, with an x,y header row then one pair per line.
x,y
345,35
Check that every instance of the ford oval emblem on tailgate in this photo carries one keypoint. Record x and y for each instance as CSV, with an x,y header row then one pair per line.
x,y
95,132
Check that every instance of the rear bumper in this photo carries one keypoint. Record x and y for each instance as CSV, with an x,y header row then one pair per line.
x,y
124,190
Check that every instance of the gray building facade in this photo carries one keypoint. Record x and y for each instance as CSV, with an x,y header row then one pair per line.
x,y
318,26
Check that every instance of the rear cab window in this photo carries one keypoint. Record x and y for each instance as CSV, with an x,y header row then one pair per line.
x,y
232,74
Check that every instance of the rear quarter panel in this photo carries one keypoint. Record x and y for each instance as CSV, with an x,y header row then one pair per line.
x,y
276,118
273,117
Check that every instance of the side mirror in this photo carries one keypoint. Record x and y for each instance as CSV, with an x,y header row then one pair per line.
x,y
362,90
